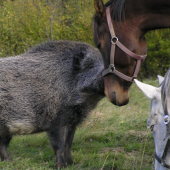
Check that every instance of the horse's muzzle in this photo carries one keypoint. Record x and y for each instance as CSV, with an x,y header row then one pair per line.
x,y
118,99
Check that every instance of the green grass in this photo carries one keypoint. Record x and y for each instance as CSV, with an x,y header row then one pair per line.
x,y
112,138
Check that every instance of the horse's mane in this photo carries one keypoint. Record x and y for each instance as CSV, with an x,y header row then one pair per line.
x,y
118,13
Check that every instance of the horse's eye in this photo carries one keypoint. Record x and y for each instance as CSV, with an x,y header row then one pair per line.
x,y
98,45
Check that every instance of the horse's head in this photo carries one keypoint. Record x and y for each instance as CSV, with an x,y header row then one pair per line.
x,y
116,87
156,123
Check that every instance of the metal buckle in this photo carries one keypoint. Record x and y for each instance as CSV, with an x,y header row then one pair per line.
x,y
114,40
166,119
111,68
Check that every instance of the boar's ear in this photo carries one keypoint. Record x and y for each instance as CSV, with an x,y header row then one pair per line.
x,y
77,61
100,8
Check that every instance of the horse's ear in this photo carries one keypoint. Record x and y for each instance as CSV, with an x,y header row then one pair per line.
x,y
100,8
160,78
148,90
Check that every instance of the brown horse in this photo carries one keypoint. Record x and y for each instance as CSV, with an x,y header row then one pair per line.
x,y
121,38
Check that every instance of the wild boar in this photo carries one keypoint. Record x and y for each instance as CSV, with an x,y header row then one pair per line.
x,y
50,88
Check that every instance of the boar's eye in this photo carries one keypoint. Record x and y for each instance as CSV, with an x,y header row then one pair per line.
x,y
98,45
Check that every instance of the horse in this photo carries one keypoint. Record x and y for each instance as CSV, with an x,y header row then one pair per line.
x,y
119,29
158,122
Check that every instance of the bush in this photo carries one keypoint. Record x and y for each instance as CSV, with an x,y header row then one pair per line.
x,y
25,23
158,56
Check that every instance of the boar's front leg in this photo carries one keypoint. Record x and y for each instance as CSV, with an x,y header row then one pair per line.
x,y
58,138
4,142
69,139
61,141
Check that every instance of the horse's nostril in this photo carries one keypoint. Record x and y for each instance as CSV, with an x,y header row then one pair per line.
x,y
151,128
114,96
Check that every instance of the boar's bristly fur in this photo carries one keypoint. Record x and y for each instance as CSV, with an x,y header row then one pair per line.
x,y
51,88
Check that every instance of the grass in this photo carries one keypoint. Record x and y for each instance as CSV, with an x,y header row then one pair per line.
x,y
112,138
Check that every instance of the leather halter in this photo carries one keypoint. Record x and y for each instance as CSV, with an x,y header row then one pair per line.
x,y
161,159
115,41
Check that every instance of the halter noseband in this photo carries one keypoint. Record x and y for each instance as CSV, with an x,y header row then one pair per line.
x,y
161,159
115,41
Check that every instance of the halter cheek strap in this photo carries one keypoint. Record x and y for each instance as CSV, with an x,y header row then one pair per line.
x,y
115,41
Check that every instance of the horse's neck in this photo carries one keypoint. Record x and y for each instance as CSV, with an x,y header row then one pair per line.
x,y
153,14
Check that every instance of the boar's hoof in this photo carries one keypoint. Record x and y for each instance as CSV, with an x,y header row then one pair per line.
x,y
70,162
68,159
61,164
8,159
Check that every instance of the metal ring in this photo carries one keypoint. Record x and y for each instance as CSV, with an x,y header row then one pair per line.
x,y
114,40
111,68
166,119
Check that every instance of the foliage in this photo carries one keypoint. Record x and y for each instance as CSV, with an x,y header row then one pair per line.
x,y
158,56
24,23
